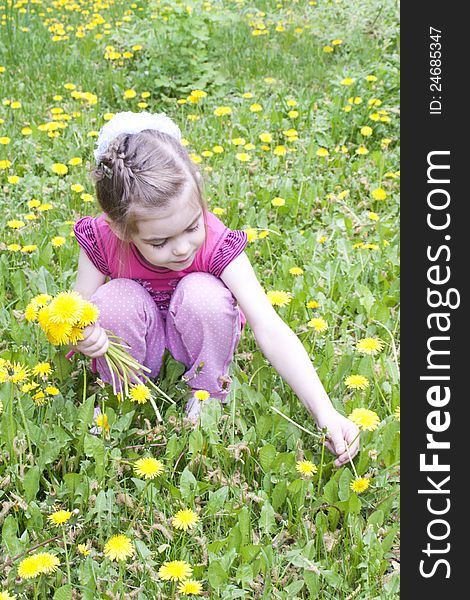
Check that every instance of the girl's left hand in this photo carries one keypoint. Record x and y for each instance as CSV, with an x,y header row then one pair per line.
x,y
340,431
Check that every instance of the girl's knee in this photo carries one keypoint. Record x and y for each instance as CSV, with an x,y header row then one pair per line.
x,y
122,289
202,293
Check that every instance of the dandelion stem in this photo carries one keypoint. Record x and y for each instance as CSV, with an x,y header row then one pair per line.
x,y
394,349
66,556
23,416
293,422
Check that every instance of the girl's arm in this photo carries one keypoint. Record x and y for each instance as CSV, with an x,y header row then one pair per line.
x,y
89,279
286,353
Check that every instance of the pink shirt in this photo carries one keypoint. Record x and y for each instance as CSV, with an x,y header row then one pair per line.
x,y
106,252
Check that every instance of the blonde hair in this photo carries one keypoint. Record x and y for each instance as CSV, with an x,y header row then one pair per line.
x,y
138,173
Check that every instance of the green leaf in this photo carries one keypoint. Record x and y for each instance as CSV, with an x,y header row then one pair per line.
x,y
245,525
312,581
279,495
344,482
294,588
31,483
266,520
94,446
216,500
188,485
216,574
64,593
9,536
267,454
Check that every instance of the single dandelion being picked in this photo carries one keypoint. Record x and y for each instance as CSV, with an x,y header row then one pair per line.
x,y
365,419
176,570
359,485
185,519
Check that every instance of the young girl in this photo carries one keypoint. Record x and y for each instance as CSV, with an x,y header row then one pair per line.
x,y
180,279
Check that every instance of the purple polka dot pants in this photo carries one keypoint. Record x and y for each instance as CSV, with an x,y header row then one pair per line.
x,y
201,330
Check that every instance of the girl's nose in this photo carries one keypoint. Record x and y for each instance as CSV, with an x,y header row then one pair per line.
x,y
181,248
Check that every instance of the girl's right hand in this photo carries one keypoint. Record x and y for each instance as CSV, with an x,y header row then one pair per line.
x,y
95,342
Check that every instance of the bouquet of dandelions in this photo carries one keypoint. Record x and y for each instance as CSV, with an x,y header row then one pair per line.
x,y
63,318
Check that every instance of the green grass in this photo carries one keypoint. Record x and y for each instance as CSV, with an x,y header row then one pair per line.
x,y
264,532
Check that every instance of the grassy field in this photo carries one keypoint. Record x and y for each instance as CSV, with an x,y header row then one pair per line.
x,y
290,110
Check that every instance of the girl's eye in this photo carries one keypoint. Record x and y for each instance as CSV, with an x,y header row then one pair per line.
x,y
163,243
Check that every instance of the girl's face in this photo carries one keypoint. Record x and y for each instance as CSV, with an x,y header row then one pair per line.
x,y
171,236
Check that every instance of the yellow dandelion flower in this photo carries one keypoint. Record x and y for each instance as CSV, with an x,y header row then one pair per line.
x,y
379,194
266,137
58,333
139,393
280,151
221,111
190,587
217,210
59,169
279,297
47,562
318,324
77,187
43,369
118,547
362,150
256,107
327,49
176,570
17,372
66,307
369,345
185,519
243,157
366,131
148,467
83,549
29,248
102,421
322,152
312,304
347,81
29,568
130,94
14,247
251,234
357,382
7,596
58,241
16,224
76,160
51,390
365,419
30,313
306,468
59,517
76,334
278,201
202,395
296,271
359,485
371,78
373,216
90,314
4,140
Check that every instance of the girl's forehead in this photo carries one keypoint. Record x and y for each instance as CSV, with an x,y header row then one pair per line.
x,y
165,222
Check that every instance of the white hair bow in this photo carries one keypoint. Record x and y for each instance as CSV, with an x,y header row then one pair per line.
x,y
130,122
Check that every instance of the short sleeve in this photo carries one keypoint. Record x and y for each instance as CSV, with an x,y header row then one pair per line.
x,y
86,237
232,246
